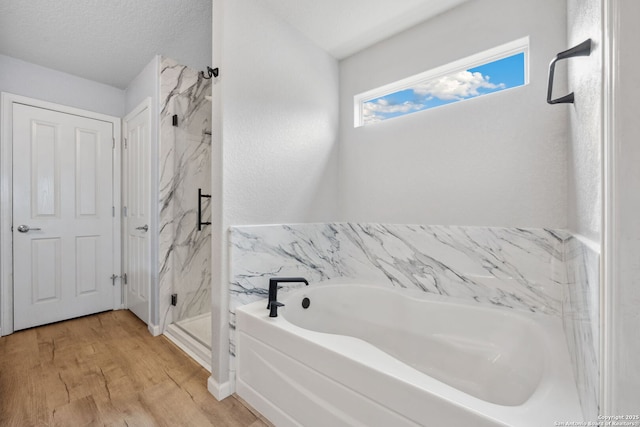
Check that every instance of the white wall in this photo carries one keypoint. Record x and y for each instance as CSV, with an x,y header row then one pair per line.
x,y
145,84
278,95
496,160
219,267
585,119
623,339
26,79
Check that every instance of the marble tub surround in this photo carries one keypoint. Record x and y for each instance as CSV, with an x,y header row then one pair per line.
x,y
503,266
185,166
510,267
580,316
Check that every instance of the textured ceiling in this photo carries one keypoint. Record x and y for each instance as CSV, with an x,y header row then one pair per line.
x,y
343,27
108,41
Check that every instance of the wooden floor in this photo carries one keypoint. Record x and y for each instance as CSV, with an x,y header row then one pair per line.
x,y
106,370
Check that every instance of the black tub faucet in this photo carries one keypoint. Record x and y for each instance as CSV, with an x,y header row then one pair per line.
x,y
273,303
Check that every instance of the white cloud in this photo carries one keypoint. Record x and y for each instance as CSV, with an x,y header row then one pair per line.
x,y
382,106
456,86
374,111
371,118
461,85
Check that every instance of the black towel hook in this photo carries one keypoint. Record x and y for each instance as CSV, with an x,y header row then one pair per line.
x,y
212,72
583,49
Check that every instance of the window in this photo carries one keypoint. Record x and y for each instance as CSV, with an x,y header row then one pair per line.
x,y
494,70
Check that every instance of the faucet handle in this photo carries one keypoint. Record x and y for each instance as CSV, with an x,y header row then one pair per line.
x,y
273,306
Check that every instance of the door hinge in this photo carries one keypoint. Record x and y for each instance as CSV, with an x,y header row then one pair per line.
x,y
125,143
174,299
114,143
113,211
124,211
124,278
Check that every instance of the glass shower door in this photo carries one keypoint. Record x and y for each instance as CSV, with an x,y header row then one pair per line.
x,y
192,251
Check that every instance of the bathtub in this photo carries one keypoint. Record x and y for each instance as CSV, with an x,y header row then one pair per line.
x,y
372,356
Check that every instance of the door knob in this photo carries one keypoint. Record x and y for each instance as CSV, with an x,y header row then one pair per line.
x,y
144,228
25,228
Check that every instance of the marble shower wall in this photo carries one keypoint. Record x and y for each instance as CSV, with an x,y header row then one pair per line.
x,y
537,270
580,315
185,166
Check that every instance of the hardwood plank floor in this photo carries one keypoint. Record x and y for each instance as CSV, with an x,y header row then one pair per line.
x,y
107,370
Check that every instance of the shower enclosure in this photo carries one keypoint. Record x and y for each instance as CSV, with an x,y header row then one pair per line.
x,y
185,250
192,251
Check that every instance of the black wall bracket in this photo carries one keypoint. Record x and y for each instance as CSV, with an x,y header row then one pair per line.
x,y
583,49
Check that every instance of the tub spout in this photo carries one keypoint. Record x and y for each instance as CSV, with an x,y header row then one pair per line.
x,y
273,303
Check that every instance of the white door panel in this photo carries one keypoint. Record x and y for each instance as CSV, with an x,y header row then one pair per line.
x,y
137,176
63,192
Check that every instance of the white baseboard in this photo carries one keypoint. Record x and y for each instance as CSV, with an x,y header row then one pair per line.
x,y
154,330
194,349
219,391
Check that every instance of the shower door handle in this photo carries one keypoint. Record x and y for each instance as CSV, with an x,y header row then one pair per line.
x,y
200,197
144,228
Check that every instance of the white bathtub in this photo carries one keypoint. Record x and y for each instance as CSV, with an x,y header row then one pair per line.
x,y
372,356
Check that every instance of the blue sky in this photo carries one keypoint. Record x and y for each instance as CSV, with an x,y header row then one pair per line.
x,y
492,77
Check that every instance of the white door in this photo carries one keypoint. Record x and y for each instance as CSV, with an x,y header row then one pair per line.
x,y
62,216
136,206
